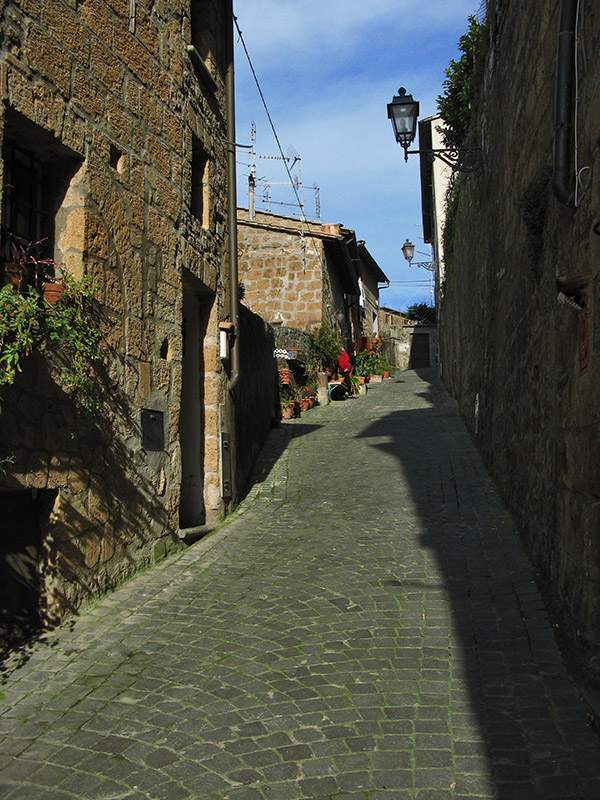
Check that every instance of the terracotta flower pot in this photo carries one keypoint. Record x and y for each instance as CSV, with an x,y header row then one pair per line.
x,y
287,412
285,375
14,275
305,404
52,292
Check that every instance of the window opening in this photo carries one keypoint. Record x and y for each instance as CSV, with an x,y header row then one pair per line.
x,y
24,212
37,170
200,191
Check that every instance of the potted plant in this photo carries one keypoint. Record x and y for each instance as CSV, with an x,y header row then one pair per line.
x,y
285,375
287,409
324,349
64,325
355,384
363,364
305,399
287,400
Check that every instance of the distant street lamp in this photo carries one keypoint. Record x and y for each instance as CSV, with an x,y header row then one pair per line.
x,y
404,112
408,251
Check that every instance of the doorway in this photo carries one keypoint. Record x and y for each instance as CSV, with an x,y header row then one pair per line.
x,y
197,303
419,351
22,515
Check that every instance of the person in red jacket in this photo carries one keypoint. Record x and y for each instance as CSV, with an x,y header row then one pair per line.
x,y
344,370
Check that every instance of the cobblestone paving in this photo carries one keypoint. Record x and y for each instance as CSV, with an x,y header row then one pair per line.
x,y
364,627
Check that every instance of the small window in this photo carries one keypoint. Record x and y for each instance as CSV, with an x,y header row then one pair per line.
x,y
37,170
204,27
200,190
24,213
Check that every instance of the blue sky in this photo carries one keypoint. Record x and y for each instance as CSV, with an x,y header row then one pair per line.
x,y
327,71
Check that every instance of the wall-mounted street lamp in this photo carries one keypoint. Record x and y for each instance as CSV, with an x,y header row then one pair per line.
x,y
408,251
404,113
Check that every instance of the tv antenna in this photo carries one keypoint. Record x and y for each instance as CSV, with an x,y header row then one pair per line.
x,y
292,158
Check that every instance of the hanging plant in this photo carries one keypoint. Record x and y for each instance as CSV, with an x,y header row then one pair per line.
x,y
65,325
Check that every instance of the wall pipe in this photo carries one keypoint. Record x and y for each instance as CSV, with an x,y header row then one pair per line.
x,y
232,205
563,110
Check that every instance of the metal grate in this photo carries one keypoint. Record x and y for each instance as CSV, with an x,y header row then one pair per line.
x,y
23,212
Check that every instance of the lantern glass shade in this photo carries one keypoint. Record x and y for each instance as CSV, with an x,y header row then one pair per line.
x,y
408,251
404,112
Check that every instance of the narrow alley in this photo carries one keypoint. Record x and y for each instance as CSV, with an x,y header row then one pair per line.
x,y
365,626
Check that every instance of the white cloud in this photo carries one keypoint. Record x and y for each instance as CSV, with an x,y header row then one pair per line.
x,y
327,71
288,25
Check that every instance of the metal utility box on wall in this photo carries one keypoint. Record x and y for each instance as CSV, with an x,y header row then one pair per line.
x,y
153,430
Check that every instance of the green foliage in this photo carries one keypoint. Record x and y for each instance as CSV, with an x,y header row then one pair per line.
x,y
70,327
325,347
66,328
421,312
365,363
452,198
373,361
19,323
456,103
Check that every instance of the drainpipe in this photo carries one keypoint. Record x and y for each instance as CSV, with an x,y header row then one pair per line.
x,y
251,198
563,111
232,205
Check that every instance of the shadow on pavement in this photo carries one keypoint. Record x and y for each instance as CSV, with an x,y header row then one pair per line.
x,y
538,740
277,440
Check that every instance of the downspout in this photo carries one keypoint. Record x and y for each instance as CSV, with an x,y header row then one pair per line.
x,y
232,206
563,111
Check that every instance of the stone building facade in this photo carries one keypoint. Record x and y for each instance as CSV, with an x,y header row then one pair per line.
x,y
302,274
297,274
412,345
121,111
520,304
370,276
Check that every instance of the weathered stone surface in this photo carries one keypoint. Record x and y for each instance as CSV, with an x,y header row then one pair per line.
x,y
509,348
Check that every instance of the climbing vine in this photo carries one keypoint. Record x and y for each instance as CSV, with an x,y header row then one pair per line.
x,y
456,103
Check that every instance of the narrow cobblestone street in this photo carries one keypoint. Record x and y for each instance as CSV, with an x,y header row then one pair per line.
x,y
365,626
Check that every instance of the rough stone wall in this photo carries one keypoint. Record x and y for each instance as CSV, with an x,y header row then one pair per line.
x,y
509,348
282,273
122,97
257,392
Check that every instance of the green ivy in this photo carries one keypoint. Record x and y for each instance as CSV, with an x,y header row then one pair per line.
x,y
66,328
456,103
19,322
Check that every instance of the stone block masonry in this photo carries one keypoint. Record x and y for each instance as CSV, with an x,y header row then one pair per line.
x,y
511,352
282,269
109,105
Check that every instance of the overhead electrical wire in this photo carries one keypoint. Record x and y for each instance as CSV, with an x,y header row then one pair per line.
x,y
303,219
267,112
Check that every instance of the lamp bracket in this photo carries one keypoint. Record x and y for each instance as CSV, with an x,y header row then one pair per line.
x,y
460,159
428,265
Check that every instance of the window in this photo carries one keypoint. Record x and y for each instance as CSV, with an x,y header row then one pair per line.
x,y
203,20
206,50
23,212
200,189
37,170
